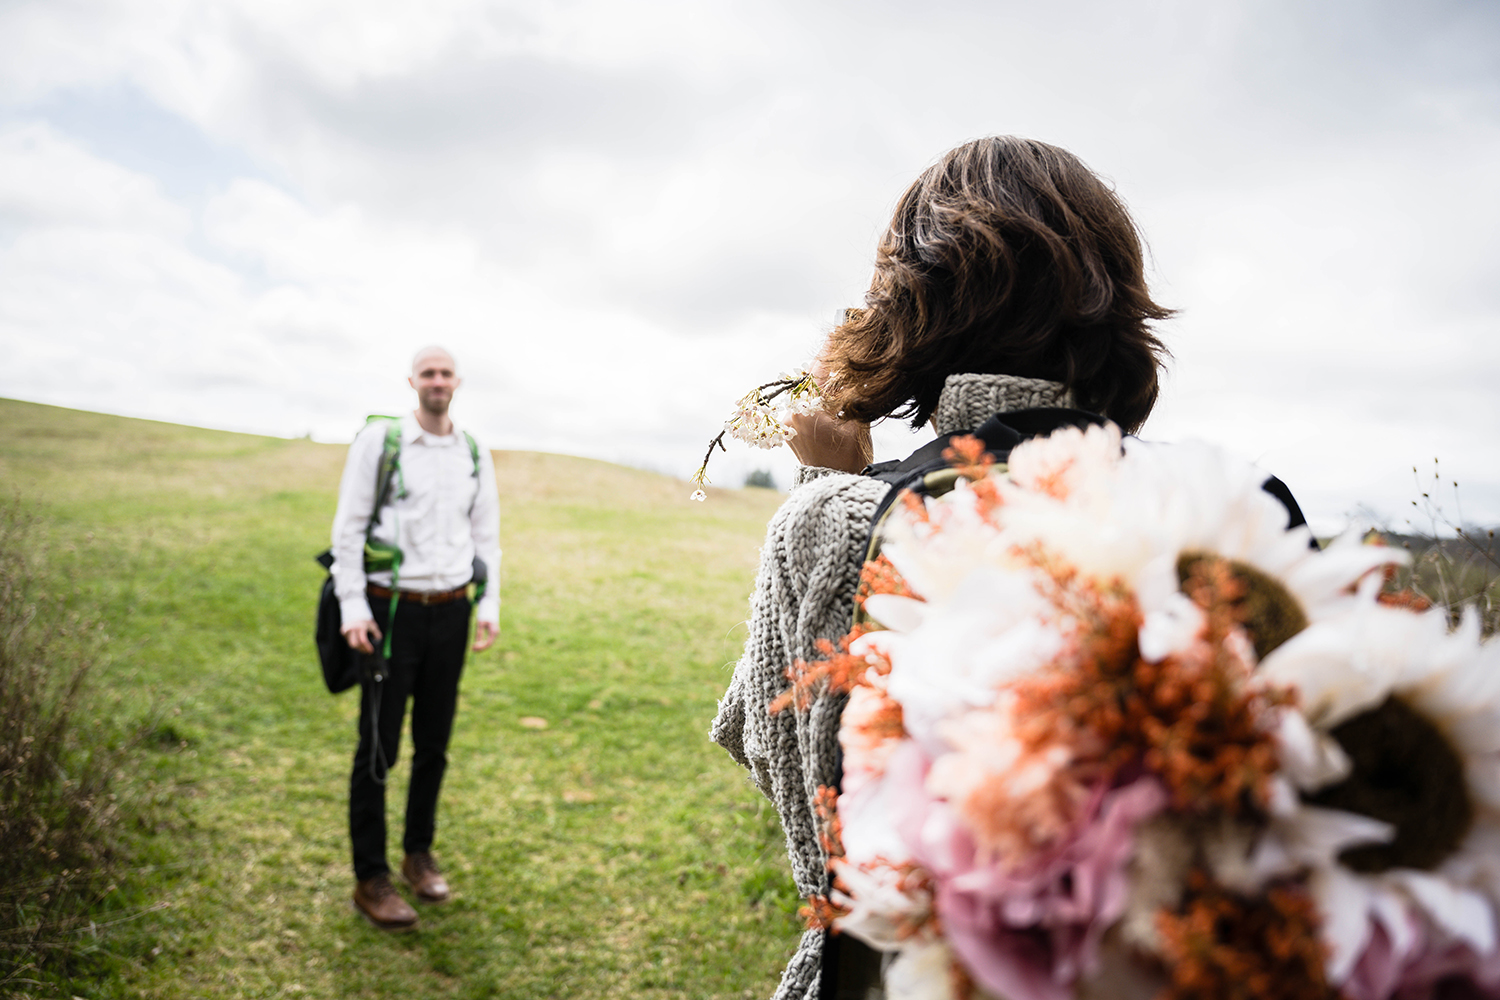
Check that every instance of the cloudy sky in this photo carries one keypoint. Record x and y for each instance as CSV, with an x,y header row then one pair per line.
x,y
248,213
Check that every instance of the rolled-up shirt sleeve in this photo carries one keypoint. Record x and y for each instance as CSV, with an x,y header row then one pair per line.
x,y
484,523
352,520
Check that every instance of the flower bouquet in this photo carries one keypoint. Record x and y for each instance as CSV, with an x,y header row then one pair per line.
x,y
1114,732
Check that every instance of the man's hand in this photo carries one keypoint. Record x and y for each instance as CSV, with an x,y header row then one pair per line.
x,y
823,439
484,635
361,635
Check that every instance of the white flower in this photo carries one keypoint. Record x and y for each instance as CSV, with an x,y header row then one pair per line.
x,y
885,904
758,423
936,555
1170,627
951,655
1014,797
804,396
761,421
1072,464
922,971
1133,517
871,811
698,495
1395,703
1195,498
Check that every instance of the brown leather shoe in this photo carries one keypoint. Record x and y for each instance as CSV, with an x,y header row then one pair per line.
x,y
382,905
421,873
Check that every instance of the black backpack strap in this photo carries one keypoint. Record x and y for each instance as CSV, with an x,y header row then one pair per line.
x,y
1001,433
1278,489
1294,515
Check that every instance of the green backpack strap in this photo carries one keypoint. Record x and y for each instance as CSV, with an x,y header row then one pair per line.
x,y
473,452
480,586
381,555
390,462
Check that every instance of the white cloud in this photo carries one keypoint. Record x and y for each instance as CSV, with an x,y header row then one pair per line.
x,y
47,180
124,303
620,216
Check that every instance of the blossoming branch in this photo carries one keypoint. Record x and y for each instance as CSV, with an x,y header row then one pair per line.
x,y
760,418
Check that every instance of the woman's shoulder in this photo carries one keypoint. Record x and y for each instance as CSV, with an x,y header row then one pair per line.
x,y
815,490
827,509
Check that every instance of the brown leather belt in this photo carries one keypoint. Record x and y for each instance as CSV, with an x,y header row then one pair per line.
x,y
419,596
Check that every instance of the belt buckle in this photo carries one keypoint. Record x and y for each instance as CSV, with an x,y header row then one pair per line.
x,y
426,598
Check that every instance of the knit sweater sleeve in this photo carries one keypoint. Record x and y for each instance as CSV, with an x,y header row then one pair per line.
x,y
804,591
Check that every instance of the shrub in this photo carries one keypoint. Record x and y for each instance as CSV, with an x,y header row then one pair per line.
x,y
761,478
60,811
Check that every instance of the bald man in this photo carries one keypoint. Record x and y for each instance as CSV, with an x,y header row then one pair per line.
x,y
440,513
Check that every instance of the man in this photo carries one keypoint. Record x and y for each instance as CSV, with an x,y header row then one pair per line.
x,y
440,512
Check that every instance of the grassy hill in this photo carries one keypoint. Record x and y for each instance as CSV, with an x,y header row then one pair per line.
x,y
615,852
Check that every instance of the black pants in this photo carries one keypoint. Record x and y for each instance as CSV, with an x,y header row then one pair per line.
x,y
427,660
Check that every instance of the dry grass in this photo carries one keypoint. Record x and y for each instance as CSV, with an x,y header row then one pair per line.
x,y
1454,565
1454,573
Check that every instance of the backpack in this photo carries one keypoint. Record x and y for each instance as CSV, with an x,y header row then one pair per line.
x,y
343,667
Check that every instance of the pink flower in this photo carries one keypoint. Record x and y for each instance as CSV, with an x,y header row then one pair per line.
x,y
1462,971
1031,932
1402,962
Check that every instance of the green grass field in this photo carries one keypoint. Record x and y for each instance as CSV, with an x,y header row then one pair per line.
x,y
616,852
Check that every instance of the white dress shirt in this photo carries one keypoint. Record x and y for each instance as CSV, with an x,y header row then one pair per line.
x,y
446,517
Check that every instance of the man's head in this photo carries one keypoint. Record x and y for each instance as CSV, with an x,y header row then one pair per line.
x,y
434,374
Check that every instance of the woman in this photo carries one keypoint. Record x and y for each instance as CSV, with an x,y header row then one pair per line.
x,y
1011,277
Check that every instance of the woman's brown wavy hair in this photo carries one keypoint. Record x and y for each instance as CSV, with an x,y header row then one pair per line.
x,y
1006,256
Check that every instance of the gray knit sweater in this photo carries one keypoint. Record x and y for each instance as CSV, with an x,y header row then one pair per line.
x,y
804,591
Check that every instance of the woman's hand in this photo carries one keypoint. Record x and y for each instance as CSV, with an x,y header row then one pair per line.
x,y
823,439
